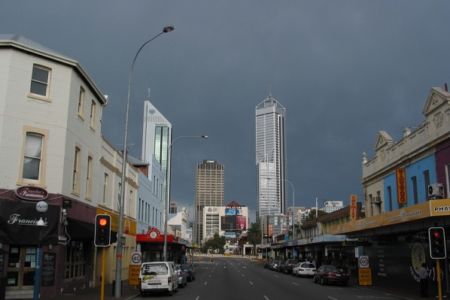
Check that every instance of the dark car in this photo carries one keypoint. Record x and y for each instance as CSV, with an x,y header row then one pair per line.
x,y
289,265
327,274
189,270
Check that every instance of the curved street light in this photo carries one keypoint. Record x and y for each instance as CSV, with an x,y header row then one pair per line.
x,y
119,249
167,200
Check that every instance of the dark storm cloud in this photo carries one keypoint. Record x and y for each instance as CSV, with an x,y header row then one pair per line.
x,y
342,69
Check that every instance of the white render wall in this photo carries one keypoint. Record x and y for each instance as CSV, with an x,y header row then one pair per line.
x,y
58,117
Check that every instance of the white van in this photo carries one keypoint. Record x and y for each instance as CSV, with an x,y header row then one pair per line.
x,y
158,276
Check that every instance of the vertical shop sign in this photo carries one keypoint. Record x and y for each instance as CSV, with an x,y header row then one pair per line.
x,y
401,186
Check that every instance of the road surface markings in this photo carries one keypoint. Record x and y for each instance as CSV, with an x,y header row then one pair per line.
x,y
265,297
198,297
206,282
209,275
276,276
295,283
243,275
251,283
332,298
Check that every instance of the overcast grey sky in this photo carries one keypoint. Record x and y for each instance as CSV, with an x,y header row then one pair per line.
x,y
343,69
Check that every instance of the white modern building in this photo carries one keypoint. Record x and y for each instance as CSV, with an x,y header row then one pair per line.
x,y
225,220
179,224
270,157
330,206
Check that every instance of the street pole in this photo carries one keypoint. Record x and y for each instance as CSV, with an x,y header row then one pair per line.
x,y
119,247
166,204
293,205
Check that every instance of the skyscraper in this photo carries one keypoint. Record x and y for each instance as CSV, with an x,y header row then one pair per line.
x,y
209,191
270,157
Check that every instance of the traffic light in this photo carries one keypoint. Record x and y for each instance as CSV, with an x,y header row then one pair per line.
x,y
436,238
102,236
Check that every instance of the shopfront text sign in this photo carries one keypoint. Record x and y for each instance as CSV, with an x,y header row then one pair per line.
x,y
32,193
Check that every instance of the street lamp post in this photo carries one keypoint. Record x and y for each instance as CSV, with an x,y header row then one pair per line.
x,y
166,204
293,205
119,248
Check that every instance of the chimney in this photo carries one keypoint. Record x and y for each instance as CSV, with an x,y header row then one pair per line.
x,y
445,87
406,131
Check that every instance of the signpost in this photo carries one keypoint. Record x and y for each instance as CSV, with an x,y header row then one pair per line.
x,y
438,251
134,268
364,271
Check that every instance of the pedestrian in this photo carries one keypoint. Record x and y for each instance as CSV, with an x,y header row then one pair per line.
x,y
423,276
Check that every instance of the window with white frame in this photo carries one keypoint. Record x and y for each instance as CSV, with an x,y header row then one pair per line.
x,y
89,178
81,102
76,171
93,114
40,78
32,157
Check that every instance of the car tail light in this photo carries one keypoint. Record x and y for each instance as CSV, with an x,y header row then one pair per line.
x,y
331,274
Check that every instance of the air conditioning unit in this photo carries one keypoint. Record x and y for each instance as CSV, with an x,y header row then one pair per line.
x,y
436,191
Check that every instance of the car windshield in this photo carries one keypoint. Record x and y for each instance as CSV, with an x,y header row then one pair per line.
x,y
307,265
154,269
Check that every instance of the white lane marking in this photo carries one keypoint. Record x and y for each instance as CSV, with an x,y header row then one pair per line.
x,y
198,297
243,275
332,298
276,276
206,282
265,297
209,275
295,283
251,283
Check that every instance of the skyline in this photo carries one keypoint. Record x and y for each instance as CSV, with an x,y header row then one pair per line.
x,y
344,71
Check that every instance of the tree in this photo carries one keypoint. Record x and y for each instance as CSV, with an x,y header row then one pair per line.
x,y
215,243
254,235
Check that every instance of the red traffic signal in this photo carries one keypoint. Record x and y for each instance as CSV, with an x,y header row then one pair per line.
x,y
102,234
437,243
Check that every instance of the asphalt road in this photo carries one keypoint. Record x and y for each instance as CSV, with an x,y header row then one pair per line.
x,y
241,279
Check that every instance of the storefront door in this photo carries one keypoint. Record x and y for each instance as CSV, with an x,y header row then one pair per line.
x,y
20,270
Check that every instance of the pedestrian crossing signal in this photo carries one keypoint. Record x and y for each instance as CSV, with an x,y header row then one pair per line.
x,y
437,243
102,234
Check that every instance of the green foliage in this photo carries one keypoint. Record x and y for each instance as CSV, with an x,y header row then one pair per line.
x,y
215,244
254,234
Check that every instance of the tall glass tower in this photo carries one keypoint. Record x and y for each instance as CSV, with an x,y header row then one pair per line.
x,y
270,157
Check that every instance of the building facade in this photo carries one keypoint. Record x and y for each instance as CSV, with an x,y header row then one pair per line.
x,y
228,221
270,157
209,191
51,147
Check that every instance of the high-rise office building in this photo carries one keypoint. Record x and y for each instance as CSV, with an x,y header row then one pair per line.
x,y
270,157
209,191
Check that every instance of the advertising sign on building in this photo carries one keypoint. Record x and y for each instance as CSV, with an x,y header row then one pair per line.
x,y
353,207
401,186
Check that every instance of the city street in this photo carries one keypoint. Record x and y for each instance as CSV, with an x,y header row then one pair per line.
x,y
236,279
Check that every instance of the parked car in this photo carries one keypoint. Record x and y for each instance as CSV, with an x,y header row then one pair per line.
x,y
158,276
289,265
182,276
304,269
189,269
326,274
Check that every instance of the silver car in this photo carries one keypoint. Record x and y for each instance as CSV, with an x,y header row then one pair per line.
x,y
304,269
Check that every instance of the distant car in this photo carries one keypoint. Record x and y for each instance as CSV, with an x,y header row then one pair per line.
x,y
289,265
182,276
304,269
327,274
189,270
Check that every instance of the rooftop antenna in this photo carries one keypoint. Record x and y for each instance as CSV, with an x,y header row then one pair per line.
x,y
148,93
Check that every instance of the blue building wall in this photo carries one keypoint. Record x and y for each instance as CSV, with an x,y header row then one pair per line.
x,y
150,204
417,170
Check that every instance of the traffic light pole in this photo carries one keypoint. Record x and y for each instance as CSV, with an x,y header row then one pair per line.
x,y
439,281
102,286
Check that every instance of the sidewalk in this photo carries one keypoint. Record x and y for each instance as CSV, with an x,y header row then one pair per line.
x,y
128,293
